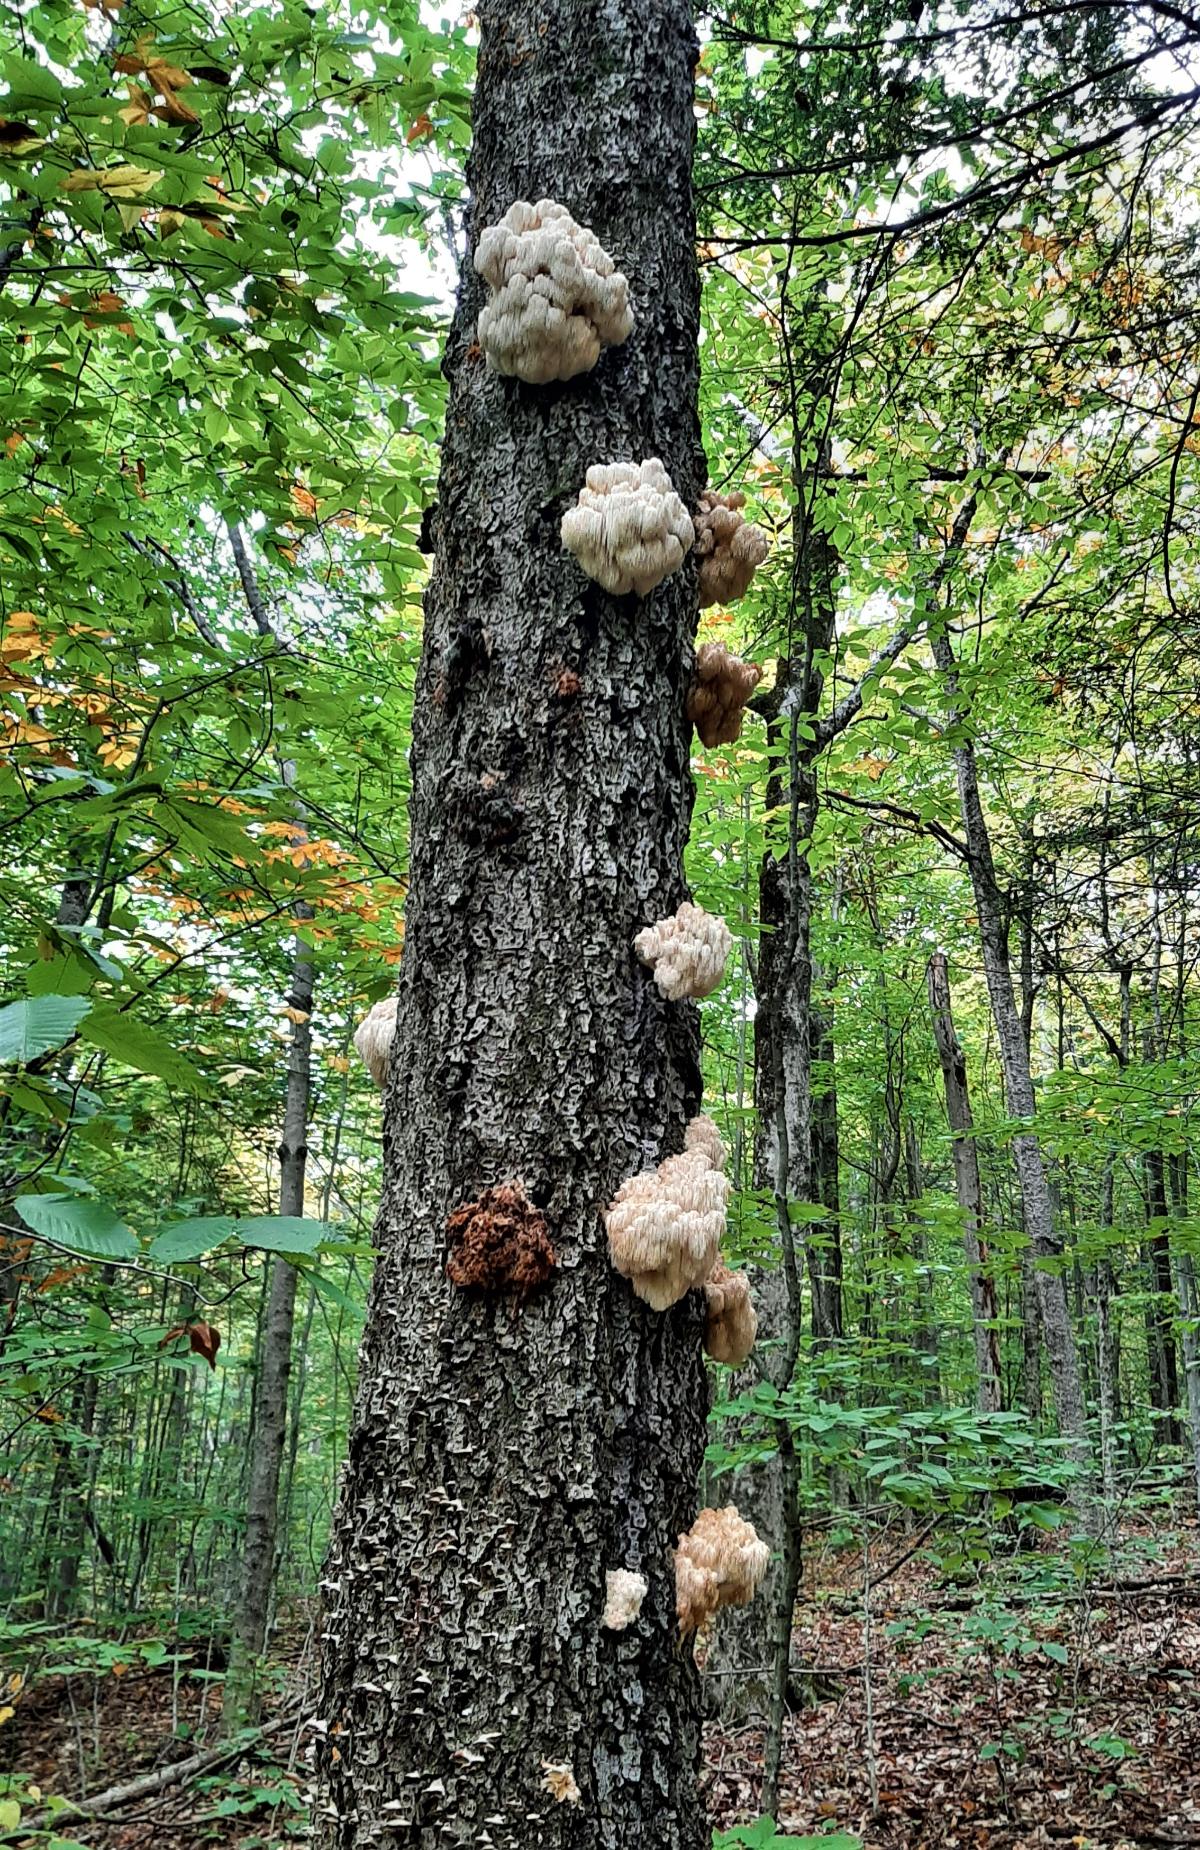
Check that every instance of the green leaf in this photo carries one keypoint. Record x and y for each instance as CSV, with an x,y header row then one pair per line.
x,y
38,1025
81,1226
134,1044
282,1233
189,1239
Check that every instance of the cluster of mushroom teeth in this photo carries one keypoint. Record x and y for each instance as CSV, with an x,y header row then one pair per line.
x,y
556,300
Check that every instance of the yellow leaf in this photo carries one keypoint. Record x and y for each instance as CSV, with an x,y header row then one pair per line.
x,y
137,110
6,1715
124,182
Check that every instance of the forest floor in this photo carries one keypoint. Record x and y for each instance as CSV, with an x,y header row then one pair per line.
x,y
1018,1712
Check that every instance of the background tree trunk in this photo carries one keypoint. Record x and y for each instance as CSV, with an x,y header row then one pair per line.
x,y
984,1309
503,1457
241,1696
1044,1242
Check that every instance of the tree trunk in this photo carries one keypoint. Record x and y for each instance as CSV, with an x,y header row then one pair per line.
x,y
924,1309
505,1455
1160,1334
985,1312
1044,1242
241,1696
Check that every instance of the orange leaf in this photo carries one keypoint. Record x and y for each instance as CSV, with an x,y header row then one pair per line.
x,y
421,130
205,1340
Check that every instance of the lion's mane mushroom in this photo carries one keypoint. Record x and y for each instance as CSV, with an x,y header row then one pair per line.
x,y
629,530
729,549
665,1225
558,297
686,952
702,1138
732,1323
721,686
719,1562
373,1039
499,1243
624,1592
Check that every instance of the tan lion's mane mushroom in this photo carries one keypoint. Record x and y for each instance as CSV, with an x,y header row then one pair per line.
x,y
629,530
732,1323
557,299
664,1226
719,1562
373,1038
499,1243
721,686
729,549
687,952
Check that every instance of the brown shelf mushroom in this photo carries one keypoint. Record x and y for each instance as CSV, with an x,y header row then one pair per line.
x,y
729,549
732,1323
499,1243
721,686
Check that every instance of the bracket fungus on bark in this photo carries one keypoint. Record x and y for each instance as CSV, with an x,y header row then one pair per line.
x,y
687,952
720,1561
373,1038
499,1243
721,686
558,297
629,530
664,1225
624,1592
732,1322
729,548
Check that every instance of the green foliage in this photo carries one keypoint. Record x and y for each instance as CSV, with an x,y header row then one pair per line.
x,y
763,1835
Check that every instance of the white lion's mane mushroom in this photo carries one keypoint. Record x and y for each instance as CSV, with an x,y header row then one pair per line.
x,y
719,1562
729,549
558,297
732,1322
624,1592
629,530
687,952
373,1039
664,1226
721,686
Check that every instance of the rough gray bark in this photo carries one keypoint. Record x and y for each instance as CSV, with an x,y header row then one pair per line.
x,y
503,1456
1044,1241
968,1187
